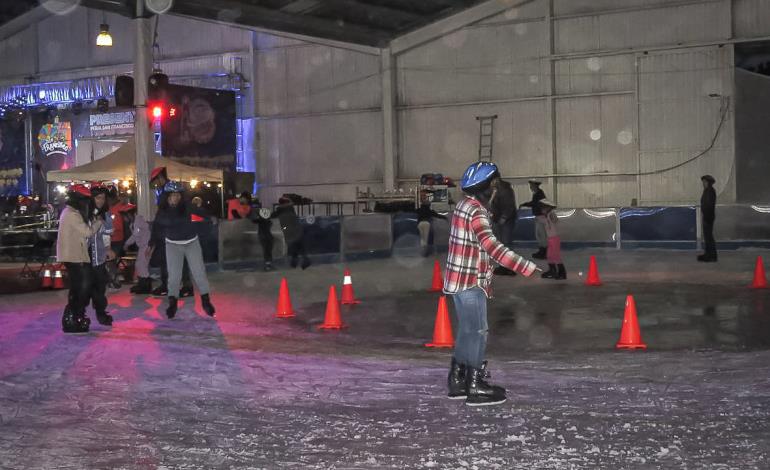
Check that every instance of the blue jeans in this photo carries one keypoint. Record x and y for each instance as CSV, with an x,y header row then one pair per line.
x,y
471,343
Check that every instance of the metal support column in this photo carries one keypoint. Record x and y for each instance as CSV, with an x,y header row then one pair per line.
x,y
389,119
145,145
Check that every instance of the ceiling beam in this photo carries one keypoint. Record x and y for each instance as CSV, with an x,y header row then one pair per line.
x,y
452,23
22,22
375,10
302,6
280,21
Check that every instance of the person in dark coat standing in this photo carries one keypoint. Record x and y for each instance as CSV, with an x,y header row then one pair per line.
x,y
540,221
503,217
708,203
293,233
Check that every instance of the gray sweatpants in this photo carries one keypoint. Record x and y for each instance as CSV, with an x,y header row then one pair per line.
x,y
540,233
175,256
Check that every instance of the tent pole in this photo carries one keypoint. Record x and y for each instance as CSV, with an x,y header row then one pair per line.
x,y
145,147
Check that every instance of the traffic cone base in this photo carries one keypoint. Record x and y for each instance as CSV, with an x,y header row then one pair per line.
x,y
47,280
284,308
437,285
630,336
348,297
442,330
332,319
58,278
593,273
760,281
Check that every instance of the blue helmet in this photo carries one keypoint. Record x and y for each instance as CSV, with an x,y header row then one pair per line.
x,y
173,187
477,174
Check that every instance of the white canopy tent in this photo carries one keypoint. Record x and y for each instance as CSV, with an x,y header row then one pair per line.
x,y
121,165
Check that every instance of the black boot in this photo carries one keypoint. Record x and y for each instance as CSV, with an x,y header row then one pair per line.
x,y
143,286
306,263
480,393
104,318
268,266
487,375
540,253
551,273
456,381
562,272
208,307
186,291
160,291
71,323
172,306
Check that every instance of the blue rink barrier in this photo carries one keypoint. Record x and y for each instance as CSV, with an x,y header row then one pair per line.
x,y
377,235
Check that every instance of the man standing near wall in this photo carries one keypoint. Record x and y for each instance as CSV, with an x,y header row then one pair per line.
x,y
537,211
708,204
503,217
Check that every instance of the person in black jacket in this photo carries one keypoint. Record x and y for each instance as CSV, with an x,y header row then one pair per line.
x,y
425,217
174,221
503,217
158,180
293,233
708,203
540,222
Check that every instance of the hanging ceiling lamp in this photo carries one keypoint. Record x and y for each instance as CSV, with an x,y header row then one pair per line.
x,y
104,38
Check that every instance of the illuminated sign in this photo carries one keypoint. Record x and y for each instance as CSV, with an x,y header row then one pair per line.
x,y
55,139
111,123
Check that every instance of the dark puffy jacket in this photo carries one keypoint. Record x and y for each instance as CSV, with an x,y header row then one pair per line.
x,y
708,204
290,224
425,213
504,205
175,223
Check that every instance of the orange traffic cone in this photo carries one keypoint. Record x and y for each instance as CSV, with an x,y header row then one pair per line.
x,y
284,310
760,281
47,281
593,273
332,321
438,281
348,297
58,280
442,330
630,336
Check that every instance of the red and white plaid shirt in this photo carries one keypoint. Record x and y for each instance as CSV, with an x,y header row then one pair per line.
x,y
471,245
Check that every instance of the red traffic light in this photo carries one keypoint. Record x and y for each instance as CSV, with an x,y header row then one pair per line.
x,y
157,112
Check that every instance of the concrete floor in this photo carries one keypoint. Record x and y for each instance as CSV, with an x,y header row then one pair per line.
x,y
246,390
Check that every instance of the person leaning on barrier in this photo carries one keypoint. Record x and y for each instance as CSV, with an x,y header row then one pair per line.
x,y
537,211
261,216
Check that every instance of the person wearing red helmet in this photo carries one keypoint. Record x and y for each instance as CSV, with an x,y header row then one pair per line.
x,y
75,228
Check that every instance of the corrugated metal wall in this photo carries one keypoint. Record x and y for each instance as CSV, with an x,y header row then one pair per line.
x,y
502,65
320,121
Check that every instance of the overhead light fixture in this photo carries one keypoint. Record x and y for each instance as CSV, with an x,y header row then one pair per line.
x,y
104,38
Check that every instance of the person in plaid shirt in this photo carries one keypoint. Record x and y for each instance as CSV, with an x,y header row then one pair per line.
x,y
468,279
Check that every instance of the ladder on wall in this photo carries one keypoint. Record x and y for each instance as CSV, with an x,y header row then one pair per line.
x,y
486,136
